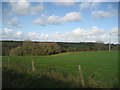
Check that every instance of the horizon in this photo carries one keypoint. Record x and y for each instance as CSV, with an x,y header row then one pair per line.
x,y
55,42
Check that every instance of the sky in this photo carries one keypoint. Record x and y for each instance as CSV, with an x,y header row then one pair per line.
x,y
60,21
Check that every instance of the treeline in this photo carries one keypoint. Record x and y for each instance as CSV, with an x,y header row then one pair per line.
x,y
29,48
8,45
88,46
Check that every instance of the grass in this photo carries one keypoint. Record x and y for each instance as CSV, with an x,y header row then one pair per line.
x,y
18,79
101,66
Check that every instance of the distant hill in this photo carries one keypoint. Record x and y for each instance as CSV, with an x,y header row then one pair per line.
x,y
49,48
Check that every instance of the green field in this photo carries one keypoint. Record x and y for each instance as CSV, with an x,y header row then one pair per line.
x,y
102,66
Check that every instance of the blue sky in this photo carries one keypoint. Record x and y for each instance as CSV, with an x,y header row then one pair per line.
x,y
56,21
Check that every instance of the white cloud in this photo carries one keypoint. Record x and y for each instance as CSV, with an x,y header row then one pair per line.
x,y
68,4
20,8
19,33
92,34
69,17
96,0
36,9
36,36
32,36
54,19
26,8
32,33
81,35
93,31
103,14
40,21
114,35
14,22
72,16
9,34
43,36
84,35
86,5
114,31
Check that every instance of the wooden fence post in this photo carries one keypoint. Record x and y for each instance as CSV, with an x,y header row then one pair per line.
x,y
81,75
33,66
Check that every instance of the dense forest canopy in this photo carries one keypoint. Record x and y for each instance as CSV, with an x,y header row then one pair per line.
x,y
30,48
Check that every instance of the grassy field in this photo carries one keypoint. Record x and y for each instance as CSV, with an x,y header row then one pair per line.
x,y
101,66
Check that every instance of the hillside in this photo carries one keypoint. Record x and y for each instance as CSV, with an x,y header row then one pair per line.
x,y
14,48
101,68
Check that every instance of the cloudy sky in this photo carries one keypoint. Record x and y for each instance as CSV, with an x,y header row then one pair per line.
x,y
60,21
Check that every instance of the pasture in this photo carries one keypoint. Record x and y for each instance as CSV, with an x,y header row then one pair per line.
x,y
101,66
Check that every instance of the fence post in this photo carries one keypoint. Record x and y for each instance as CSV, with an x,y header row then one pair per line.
x,y
33,66
81,75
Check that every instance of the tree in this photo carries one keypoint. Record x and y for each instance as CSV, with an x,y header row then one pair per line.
x,y
99,45
16,51
27,48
